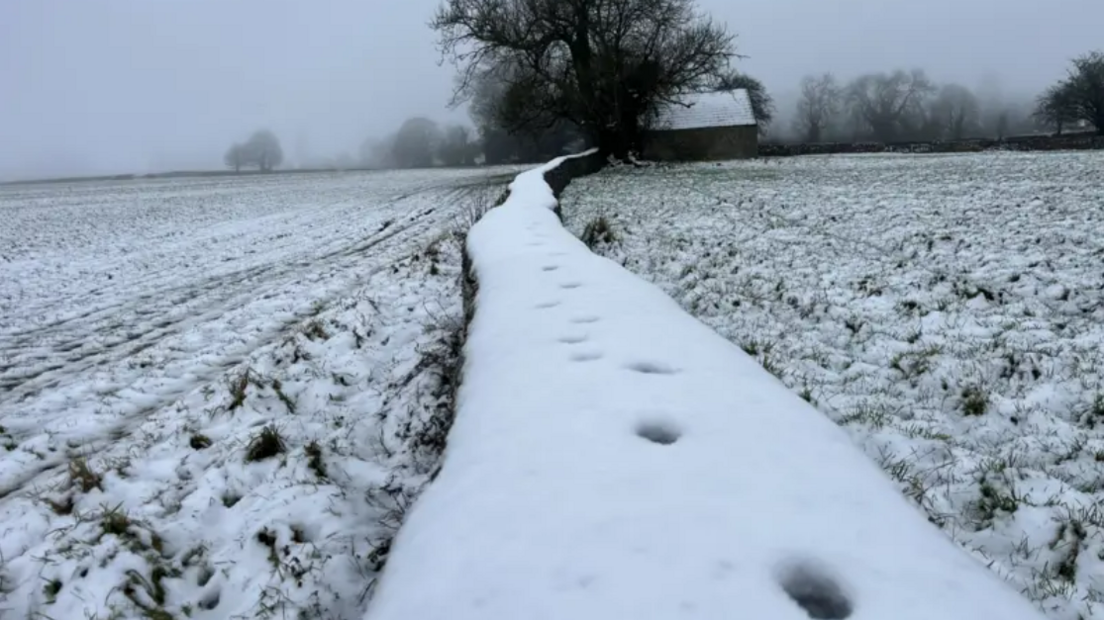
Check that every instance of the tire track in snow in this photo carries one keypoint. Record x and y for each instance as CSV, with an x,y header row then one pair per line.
x,y
42,405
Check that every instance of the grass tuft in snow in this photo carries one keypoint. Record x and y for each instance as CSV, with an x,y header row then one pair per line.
x,y
199,441
265,444
238,386
51,590
314,459
278,387
598,232
81,475
974,401
314,330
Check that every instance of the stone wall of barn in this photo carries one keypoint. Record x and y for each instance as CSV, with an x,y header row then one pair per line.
x,y
708,143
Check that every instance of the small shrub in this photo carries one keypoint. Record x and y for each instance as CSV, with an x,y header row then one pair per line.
x,y
116,522
265,445
974,401
51,590
598,232
314,330
807,395
1097,409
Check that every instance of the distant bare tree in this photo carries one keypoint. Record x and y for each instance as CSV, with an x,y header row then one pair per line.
x,y
602,65
263,151
818,106
455,148
235,157
416,143
955,112
1056,107
883,103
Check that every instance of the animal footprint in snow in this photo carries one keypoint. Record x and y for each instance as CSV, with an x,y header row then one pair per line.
x,y
585,319
570,285
574,339
546,305
652,368
586,356
662,432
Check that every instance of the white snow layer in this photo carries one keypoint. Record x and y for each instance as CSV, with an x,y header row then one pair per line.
x,y
612,457
217,395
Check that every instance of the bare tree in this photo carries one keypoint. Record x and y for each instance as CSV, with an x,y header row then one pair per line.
x,y
884,103
235,157
1086,88
455,148
603,65
416,143
955,112
818,106
263,151
1057,107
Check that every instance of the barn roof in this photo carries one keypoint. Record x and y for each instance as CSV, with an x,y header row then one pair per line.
x,y
712,109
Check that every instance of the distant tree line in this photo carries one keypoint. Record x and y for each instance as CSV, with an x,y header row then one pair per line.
x,y
261,151
422,143
893,107
903,106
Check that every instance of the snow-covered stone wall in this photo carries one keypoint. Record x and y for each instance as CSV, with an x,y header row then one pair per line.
x,y
612,457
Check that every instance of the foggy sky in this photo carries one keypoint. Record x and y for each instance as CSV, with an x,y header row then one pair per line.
x,y
104,86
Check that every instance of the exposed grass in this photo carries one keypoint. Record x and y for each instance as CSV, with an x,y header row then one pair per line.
x,y
265,444
199,442
51,590
974,401
82,476
314,459
278,387
238,385
597,232
315,330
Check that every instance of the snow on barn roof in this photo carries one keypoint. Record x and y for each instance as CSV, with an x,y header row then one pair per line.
x,y
712,109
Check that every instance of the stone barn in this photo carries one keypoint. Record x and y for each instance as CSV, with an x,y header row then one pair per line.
x,y
706,126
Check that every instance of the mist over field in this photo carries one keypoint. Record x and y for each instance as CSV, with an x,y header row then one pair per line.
x,y
113,86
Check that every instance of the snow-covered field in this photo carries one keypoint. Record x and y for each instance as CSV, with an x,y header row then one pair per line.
x,y
947,311
216,394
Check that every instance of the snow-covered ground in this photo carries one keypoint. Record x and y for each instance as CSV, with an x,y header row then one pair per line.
x,y
947,311
613,457
216,394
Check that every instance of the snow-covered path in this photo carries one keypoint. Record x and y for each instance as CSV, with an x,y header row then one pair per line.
x,y
151,331
613,457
